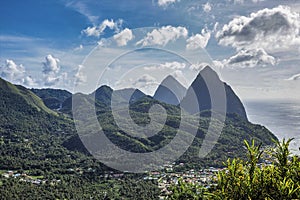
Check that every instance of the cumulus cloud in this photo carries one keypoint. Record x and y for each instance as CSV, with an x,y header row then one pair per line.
x,y
206,7
295,77
96,31
168,65
16,73
51,69
270,29
28,81
250,58
51,65
163,36
123,37
198,40
12,72
165,3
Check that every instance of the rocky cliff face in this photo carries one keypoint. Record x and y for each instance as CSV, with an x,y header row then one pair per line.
x,y
199,90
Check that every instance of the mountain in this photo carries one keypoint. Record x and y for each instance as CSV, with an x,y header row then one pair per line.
x,y
52,98
102,98
41,160
104,94
170,91
229,144
26,97
30,132
130,95
199,90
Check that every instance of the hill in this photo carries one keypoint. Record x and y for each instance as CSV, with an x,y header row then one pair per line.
x,y
52,98
25,95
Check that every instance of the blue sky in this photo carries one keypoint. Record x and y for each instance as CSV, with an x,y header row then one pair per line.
x,y
253,44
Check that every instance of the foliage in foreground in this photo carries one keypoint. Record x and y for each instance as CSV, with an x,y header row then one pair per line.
x,y
249,180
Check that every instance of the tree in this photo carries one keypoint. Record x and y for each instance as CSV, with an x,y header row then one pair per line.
x,y
251,180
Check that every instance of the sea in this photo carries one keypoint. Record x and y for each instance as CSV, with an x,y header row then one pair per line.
x,y
281,117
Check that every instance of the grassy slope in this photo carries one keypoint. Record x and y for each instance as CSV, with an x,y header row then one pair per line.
x,y
29,96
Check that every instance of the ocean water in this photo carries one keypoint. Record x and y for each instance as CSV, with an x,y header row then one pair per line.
x,y
281,117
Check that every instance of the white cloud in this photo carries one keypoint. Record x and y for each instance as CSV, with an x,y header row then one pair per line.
x,y
145,79
218,64
163,36
198,40
123,37
173,65
51,69
295,77
51,65
96,31
81,8
165,3
50,80
271,29
250,58
16,73
145,83
28,81
206,7
168,65
216,26
12,72
79,76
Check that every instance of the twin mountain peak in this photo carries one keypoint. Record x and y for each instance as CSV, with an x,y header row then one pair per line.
x,y
170,91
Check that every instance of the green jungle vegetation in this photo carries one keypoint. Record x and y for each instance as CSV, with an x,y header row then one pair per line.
x,y
246,179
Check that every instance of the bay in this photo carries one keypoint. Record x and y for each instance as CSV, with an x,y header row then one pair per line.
x,y
281,117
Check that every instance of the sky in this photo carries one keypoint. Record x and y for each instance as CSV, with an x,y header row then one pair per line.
x,y
254,45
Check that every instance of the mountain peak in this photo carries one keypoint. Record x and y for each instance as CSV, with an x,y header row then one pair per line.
x,y
170,91
169,77
199,86
207,68
208,71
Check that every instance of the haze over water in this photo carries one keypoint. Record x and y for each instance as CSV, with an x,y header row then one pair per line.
x,y
280,117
